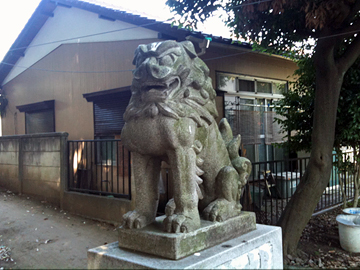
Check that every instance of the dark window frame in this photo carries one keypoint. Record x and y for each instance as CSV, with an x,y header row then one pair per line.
x,y
106,150
38,107
108,97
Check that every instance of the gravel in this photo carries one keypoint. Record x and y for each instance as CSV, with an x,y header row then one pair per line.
x,y
319,245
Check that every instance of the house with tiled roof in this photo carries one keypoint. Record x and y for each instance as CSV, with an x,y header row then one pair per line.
x,y
70,70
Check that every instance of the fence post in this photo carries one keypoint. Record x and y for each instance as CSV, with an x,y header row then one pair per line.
x,y
64,164
21,164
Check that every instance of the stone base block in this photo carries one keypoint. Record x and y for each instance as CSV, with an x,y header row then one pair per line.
x,y
153,240
258,249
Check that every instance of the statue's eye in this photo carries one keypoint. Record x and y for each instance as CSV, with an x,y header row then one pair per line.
x,y
167,60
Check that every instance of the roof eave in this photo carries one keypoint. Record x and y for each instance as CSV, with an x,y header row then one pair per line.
x,y
32,27
46,8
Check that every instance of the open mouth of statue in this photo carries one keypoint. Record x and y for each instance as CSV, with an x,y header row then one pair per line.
x,y
163,88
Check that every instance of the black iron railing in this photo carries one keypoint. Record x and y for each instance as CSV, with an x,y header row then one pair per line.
x,y
100,167
272,184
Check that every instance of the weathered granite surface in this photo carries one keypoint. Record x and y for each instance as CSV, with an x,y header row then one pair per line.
x,y
171,117
153,240
258,249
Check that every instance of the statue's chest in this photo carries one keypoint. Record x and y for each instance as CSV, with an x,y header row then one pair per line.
x,y
156,136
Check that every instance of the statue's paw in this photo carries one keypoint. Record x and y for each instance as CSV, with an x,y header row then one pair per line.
x,y
181,224
170,208
134,220
221,210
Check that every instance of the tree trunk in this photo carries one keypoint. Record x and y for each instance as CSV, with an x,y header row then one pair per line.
x,y
302,204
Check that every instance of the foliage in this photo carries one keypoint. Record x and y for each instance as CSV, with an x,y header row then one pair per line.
x,y
297,108
279,26
351,204
348,114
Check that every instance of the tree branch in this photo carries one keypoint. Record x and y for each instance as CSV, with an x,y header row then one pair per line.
x,y
350,55
341,34
354,10
349,31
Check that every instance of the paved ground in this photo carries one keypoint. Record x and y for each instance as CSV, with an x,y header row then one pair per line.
x,y
42,236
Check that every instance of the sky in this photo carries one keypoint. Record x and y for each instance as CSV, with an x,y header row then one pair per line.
x,y
14,15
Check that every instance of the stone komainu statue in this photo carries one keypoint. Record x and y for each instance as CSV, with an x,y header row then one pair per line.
x,y
171,117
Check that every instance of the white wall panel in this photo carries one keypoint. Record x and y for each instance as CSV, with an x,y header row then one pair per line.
x,y
73,25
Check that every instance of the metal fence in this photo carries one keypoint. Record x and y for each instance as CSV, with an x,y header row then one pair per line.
x,y
100,167
272,184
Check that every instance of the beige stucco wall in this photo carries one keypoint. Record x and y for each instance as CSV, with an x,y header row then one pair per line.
x,y
247,62
60,76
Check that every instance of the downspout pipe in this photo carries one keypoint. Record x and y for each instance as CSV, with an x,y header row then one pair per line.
x,y
203,43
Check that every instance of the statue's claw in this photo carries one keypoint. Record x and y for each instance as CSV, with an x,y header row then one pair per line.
x,y
181,223
221,210
134,220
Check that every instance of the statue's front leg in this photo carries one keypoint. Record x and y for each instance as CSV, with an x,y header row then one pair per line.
x,y
186,192
146,174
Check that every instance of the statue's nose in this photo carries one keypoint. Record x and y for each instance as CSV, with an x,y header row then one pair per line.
x,y
155,70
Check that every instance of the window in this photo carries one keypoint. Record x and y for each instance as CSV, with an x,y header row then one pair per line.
x,y
253,119
39,117
250,85
109,107
249,107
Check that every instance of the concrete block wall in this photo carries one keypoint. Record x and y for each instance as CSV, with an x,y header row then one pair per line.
x,y
9,163
37,165
34,164
41,171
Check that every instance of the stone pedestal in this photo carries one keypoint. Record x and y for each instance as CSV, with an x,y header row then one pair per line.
x,y
153,240
257,249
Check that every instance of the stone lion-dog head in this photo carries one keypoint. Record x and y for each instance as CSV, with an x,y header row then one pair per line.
x,y
171,80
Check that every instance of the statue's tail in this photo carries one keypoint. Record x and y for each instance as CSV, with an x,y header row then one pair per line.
x,y
241,164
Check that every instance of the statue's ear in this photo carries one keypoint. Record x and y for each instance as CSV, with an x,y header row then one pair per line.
x,y
135,56
189,48
139,50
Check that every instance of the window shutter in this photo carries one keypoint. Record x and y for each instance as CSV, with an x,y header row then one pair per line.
x,y
39,116
247,124
108,113
39,122
273,129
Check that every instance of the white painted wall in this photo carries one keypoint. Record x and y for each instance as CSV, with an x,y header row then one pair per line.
x,y
67,26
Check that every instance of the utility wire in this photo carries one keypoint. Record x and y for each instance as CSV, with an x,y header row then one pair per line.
x,y
133,27
110,71
90,35
248,4
130,70
64,71
118,30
